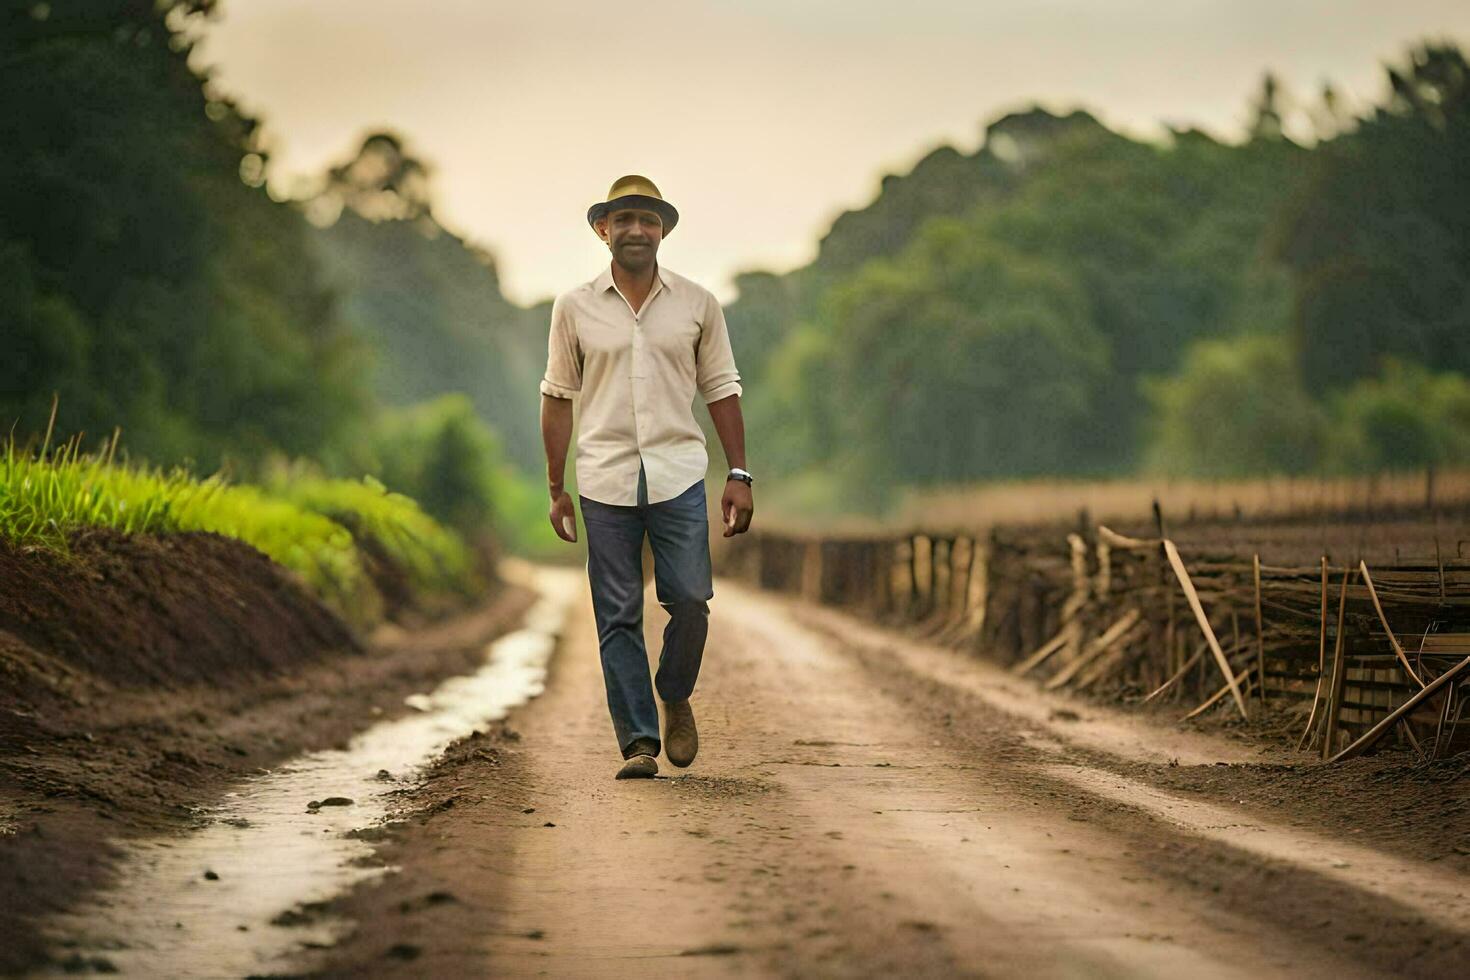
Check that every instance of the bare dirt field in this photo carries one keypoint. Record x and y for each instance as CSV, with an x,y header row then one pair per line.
x,y
865,805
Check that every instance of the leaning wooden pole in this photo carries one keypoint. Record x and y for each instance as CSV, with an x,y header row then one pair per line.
x,y
1339,672
1376,732
1260,629
1204,624
1397,649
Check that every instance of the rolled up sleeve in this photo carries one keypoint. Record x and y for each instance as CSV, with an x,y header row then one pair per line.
x,y
563,354
715,373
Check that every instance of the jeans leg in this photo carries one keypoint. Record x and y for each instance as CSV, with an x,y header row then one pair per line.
x,y
678,533
615,572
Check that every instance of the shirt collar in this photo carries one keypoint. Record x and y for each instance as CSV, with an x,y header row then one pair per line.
x,y
604,282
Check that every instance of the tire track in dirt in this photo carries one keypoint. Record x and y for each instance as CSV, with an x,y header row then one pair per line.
x,y
836,822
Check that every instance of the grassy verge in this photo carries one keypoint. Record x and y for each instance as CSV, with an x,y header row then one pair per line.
x,y
302,524
435,558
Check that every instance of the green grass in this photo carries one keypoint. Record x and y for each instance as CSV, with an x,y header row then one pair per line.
x,y
434,557
300,523
43,500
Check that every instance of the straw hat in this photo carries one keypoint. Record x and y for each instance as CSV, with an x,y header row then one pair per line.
x,y
634,191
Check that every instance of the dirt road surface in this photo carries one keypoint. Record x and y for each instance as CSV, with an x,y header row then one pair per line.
x,y
862,806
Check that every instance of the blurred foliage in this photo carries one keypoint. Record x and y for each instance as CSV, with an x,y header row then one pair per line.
x,y
1379,241
149,279
1065,300
444,456
1408,418
434,557
1070,301
982,325
425,303
145,274
1235,408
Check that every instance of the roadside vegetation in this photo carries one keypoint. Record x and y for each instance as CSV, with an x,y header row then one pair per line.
x,y
151,280
316,526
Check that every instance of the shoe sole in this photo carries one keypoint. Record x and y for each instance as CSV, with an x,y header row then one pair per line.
x,y
635,768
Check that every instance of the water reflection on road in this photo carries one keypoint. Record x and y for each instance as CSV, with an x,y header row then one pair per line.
x,y
235,897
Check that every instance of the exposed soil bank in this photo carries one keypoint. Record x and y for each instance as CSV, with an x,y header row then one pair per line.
x,y
141,673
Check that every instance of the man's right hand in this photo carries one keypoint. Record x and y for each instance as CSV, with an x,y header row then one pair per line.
x,y
564,517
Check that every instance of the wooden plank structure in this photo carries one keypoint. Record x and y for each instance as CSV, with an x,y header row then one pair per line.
x,y
1185,619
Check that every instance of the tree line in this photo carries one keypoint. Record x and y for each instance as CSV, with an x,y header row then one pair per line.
x,y
1064,301
150,280
1069,301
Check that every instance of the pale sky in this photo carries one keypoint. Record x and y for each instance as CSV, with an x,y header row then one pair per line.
x,y
760,120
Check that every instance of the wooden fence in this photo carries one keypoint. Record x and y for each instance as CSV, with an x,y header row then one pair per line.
x,y
1334,648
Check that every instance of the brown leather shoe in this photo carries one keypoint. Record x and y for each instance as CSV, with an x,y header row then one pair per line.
x,y
641,766
681,739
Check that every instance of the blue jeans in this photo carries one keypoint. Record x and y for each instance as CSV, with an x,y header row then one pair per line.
x,y
678,533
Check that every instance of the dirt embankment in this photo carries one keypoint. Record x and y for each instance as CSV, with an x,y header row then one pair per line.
x,y
141,673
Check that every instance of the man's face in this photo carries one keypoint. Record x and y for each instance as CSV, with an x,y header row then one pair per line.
x,y
634,236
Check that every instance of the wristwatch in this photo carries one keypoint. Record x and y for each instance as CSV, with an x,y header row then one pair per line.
x,y
736,473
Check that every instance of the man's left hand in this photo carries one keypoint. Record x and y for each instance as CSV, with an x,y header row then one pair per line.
x,y
737,507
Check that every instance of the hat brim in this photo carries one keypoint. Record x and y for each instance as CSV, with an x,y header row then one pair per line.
x,y
663,209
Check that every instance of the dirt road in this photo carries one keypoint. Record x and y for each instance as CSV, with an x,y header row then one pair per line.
x,y
863,805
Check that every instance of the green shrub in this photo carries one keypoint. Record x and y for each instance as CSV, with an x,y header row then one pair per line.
x,y
446,457
1407,418
434,558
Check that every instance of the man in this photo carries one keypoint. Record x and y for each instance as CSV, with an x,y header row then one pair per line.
x,y
636,344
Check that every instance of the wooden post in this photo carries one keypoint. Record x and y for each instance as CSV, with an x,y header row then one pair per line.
x,y
1439,563
1321,662
1339,672
1394,640
1172,553
913,604
1260,629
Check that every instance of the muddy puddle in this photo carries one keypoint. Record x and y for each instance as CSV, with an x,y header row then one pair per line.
x,y
239,895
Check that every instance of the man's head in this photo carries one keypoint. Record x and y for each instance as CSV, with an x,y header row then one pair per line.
x,y
633,221
633,235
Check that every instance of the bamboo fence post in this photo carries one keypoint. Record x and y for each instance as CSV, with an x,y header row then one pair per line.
x,y
1260,628
1397,649
1048,648
1339,672
1095,649
913,603
1170,644
1321,662
1204,623
1439,563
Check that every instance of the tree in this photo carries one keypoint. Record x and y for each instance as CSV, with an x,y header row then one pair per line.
x,y
961,360
1378,242
1236,408
151,284
1407,418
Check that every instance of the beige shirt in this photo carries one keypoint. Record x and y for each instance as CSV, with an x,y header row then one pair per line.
x,y
637,374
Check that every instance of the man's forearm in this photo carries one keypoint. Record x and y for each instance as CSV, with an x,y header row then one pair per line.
x,y
730,426
556,436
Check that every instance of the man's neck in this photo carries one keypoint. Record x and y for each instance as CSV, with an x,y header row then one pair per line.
x,y
640,282
635,286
